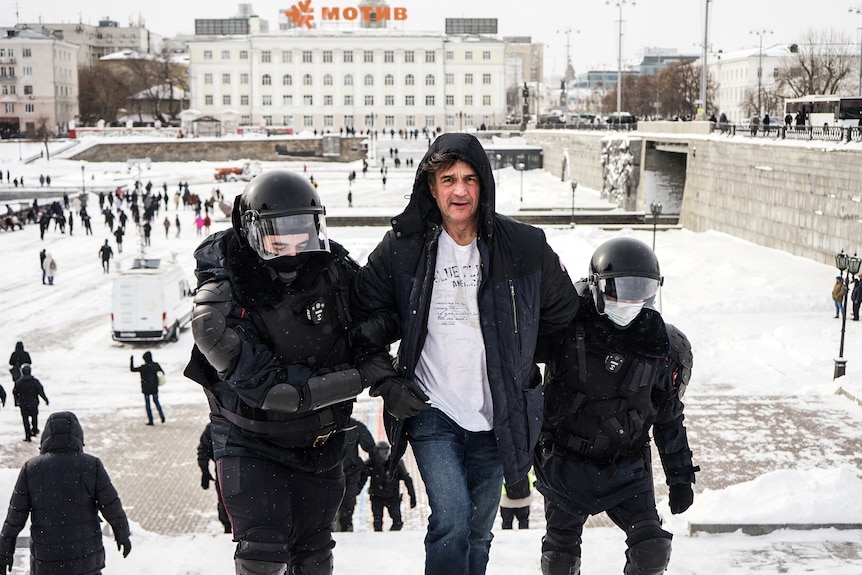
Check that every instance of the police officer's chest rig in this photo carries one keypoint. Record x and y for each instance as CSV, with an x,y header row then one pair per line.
x,y
311,326
609,411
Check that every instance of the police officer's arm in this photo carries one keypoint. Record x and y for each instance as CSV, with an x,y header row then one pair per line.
x,y
228,338
366,440
404,476
669,432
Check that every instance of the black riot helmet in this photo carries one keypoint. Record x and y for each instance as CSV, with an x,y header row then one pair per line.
x,y
280,216
624,271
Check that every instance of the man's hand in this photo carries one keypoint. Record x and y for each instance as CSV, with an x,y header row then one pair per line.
x,y
412,502
125,546
402,397
206,478
681,497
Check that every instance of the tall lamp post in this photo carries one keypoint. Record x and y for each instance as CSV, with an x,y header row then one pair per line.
x,y
704,76
847,266
574,187
760,68
83,181
858,10
619,4
655,210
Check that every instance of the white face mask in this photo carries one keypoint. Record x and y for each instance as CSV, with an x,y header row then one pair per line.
x,y
622,313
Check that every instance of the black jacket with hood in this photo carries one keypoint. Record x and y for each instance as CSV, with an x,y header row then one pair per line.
x,y
525,292
63,490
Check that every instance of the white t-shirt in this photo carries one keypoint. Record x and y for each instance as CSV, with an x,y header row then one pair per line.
x,y
451,367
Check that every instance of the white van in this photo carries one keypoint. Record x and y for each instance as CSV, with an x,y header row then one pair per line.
x,y
150,303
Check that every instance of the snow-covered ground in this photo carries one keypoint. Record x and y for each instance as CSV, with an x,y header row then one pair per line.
x,y
760,322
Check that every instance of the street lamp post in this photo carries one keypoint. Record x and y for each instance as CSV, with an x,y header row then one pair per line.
x,y
521,167
574,187
619,4
847,266
655,210
83,181
760,68
704,75
858,10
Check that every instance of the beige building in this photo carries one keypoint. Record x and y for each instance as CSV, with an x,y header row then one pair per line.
x,y
95,42
38,82
331,80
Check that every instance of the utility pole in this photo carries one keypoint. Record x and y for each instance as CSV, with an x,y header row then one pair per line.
x,y
704,76
619,4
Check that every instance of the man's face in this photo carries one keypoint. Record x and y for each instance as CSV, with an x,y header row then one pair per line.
x,y
286,245
456,190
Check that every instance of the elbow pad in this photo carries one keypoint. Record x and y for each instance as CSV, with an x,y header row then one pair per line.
x,y
219,343
320,391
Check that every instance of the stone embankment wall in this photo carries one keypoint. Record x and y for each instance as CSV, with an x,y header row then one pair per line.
x,y
221,150
804,198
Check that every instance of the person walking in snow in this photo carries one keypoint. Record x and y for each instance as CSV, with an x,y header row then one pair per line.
x,y
838,291
149,384
19,358
49,266
106,253
384,490
62,491
27,392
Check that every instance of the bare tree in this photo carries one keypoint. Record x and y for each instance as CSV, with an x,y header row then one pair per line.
x,y
43,133
154,82
102,93
821,64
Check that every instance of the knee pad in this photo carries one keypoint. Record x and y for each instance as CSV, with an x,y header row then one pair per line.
x,y
648,557
559,563
254,567
319,563
263,544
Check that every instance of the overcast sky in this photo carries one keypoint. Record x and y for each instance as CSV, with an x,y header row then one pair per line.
x,y
676,24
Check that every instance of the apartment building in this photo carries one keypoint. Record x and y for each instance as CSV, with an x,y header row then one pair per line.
x,y
38,82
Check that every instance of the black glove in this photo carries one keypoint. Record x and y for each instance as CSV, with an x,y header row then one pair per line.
x,y
375,369
402,397
125,546
412,501
681,497
206,478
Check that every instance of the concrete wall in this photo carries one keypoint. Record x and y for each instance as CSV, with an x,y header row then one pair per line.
x,y
801,198
191,150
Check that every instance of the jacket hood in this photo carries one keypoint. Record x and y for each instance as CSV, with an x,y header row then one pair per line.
x,y
62,433
422,208
19,346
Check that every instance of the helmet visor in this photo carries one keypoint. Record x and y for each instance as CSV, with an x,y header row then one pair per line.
x,y
629,289
288,235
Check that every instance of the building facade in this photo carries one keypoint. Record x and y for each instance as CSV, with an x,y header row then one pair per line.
x,y
38,83
95,42
736,75
357,79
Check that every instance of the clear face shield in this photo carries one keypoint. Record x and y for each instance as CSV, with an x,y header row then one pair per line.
x,y
286,235
623,298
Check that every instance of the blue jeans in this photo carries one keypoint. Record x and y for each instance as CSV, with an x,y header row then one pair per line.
x,y
463,476
155,397
839,307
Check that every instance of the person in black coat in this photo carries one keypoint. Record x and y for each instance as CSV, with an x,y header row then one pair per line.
x,y
856,298
63,490
385,490
27,392
149,383
18,358
355,471
205,455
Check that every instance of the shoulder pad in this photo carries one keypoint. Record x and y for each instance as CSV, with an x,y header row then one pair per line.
x,y
680,353
214,292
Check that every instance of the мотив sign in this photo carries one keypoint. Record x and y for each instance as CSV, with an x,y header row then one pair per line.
x,y
302,14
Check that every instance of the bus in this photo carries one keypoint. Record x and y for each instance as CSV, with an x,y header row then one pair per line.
x,y
825,110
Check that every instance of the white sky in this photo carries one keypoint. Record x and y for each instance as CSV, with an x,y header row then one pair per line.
x,y
674,24
756,317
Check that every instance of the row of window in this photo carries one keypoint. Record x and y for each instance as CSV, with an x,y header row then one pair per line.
x,y
328,100
327,56
9,71
328,80
10,52
348,121
28,108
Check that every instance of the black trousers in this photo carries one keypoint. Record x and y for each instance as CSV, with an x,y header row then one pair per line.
x,y
30,418
279,514
391,504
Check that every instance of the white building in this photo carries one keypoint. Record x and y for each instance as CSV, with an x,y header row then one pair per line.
x,y
365,79
38,82
736,75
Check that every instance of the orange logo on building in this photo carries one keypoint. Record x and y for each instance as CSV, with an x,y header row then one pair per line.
x,y
302,14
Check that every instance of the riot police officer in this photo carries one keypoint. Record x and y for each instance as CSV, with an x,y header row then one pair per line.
x,y
281,370
618,371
